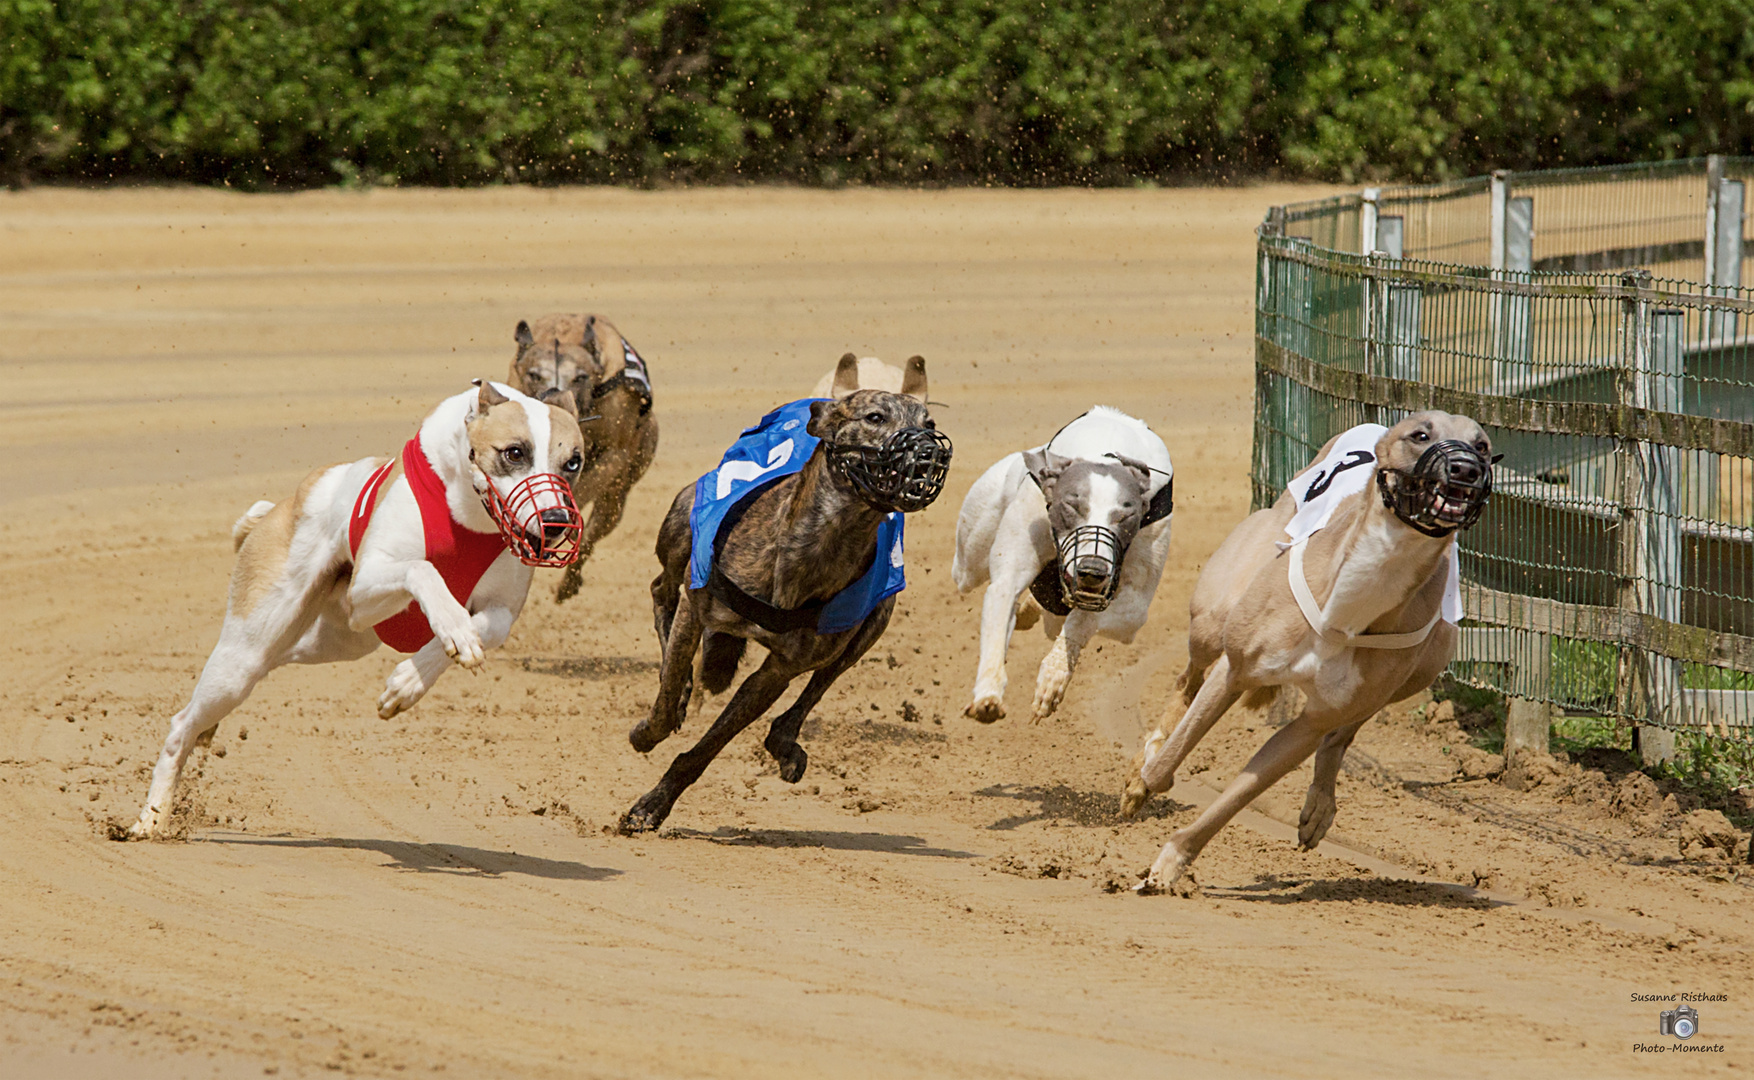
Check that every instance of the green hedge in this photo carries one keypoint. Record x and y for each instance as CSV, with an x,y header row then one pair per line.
x,y
828,91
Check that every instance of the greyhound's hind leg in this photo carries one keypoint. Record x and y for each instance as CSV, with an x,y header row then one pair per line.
x,y
761,689
782,734
1158,760
1288,747
236,665
1320,804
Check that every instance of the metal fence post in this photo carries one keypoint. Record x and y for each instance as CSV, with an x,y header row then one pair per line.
x,y
1500,192
1391,234
1633,362
1513,338
1726,271
1664,492
1367,221
1650,377
1714,175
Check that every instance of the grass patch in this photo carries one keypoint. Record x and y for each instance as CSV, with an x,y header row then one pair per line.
x,y
1575,734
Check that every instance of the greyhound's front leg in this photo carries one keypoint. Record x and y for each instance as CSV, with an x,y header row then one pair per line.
x,y
1319,805
413,677
761,689
1159,759
998,620
673,680
1282,753
381,588
1055,673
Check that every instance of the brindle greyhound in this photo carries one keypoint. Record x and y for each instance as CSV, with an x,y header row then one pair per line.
x,y
586,359
802,540
1372,571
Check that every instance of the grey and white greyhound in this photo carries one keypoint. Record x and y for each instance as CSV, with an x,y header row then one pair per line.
x,y
1075,532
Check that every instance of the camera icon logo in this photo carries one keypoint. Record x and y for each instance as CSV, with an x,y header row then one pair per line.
x,y
1680,1022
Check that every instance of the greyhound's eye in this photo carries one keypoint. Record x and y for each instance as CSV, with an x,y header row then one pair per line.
x,y
874,417
1482,446
581,377
573,464
1420,436
514,455
931,425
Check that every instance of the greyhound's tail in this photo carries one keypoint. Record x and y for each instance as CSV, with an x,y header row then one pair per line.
x,y
719,656
242,527
1260,697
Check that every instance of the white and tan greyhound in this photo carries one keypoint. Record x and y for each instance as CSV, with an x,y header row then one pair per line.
x,y
1339,589
429,553
1075,531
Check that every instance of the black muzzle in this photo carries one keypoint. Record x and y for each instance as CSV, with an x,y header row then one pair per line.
x,y
1090,567
1446,489
906,473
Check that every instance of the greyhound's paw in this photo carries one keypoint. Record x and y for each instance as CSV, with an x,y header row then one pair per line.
x,y
143,829
1027,613
644,816
1317,818
402,689
456,632
648,733
1181,883
1134,798
1051,681
987,709
1048,695
1141,785
792,760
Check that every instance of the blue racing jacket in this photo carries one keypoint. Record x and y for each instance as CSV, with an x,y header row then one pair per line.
x,y
777,447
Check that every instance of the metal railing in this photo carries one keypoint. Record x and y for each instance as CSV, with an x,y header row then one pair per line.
x,y
1593,321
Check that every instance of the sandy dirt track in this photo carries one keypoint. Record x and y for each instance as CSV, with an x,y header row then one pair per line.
x,y
438,894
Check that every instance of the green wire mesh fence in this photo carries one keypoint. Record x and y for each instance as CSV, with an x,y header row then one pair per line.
x,y
1613,571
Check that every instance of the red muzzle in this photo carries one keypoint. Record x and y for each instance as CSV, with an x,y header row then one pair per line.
x,y
538,534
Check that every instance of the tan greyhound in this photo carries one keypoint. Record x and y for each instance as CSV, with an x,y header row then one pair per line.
x,y
1368,630
855,373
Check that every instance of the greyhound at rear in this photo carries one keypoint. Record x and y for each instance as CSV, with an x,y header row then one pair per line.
x,y
1075,533
1345,589
583,358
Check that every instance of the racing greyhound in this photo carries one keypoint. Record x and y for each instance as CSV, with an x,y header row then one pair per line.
x,y
1078,528
1344,588
794,542
429,553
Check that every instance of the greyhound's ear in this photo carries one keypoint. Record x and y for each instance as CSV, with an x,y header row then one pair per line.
x,y
913,379
846,376
563,401
489,395
590,341
1140,470
523,335
1042,469
821,419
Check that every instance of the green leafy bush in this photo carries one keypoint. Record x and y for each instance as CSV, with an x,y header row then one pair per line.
x,y
934,91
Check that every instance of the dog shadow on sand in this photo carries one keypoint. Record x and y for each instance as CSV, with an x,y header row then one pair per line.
x,y
1063,803
886,843
455,859
1371,890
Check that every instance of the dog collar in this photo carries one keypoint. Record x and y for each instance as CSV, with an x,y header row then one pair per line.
x,y
1312,614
